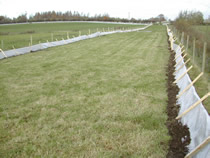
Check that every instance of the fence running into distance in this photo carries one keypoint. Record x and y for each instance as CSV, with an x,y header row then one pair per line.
x,y
192,112
41,46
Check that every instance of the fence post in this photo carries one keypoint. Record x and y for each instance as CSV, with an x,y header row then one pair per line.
x,y
198,148
2,44
67,35
187,46
204,56
194,50
3,53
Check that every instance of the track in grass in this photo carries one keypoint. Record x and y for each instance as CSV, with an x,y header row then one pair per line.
x,y
103,97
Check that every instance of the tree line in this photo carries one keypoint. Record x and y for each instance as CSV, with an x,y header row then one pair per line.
x,y
73,16
186,19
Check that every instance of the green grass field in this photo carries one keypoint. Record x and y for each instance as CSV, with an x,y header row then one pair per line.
x,y
102,97
20,35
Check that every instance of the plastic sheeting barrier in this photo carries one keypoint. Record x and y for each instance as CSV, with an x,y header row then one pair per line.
x,y
41,46
197,120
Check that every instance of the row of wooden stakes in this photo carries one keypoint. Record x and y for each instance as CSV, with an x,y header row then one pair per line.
x,y
172,39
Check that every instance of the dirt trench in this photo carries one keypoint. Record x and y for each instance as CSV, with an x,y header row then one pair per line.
x,y
180,136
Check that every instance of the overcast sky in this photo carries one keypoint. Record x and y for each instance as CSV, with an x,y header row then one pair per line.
x,y
140,9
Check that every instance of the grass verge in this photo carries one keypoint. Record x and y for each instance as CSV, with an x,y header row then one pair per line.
x,y
103,97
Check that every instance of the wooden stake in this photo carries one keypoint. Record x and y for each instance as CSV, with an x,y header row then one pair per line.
x,y
183,74
182,65
176,49
172,43
204,57
181,59
182,47
193,106
40,44
3,53
67,35
198,148
188,87
179,55
16,53
194,50
187,46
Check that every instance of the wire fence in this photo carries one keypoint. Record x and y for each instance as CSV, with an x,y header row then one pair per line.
x,y
19,40
198,50
40,46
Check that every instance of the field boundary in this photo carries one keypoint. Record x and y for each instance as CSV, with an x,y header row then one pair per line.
x,y
94,22
197,48
41,46
195,117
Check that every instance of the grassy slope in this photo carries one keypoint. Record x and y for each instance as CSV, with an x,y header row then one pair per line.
x,y
19,35
103,97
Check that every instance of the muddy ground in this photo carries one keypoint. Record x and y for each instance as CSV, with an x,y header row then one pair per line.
x,y
180,136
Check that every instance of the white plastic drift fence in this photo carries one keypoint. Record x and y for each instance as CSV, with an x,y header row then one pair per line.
x,y
41,46
192,112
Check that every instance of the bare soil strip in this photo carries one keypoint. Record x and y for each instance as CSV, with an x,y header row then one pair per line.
x,y
180,136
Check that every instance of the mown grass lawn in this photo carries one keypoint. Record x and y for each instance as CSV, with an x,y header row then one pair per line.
x,y
20,35
103,97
